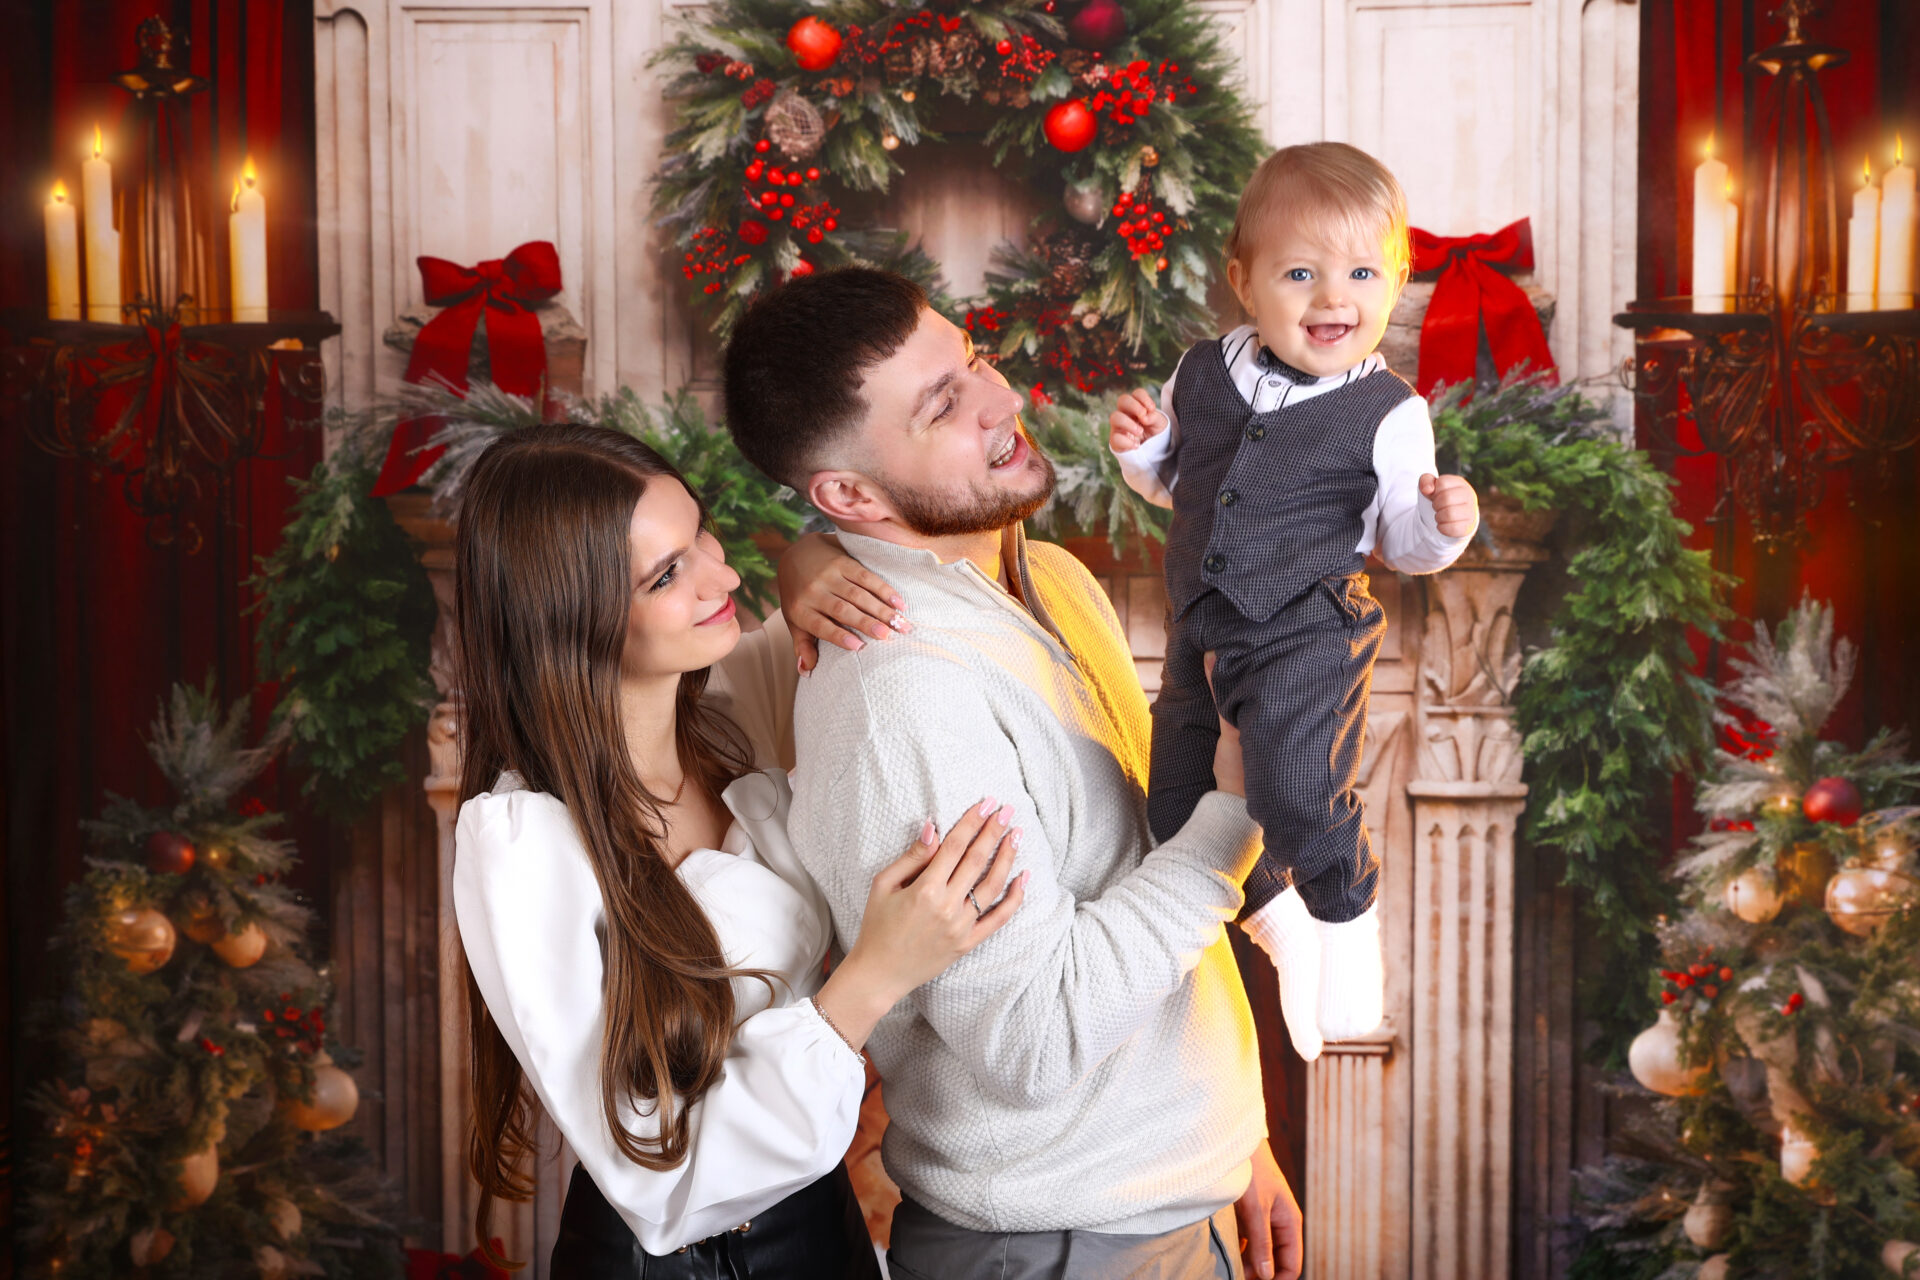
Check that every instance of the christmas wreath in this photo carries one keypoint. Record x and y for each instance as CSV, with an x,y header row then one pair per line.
x,y
786,111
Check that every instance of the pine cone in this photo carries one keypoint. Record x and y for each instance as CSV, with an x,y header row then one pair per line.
x,y
955,56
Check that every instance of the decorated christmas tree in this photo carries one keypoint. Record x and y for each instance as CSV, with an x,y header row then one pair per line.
x,y
1788,1042
180,1135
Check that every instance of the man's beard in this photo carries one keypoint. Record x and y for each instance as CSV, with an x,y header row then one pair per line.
x,y
979,511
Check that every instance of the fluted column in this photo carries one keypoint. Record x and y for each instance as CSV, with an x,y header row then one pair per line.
x,y
1409,1152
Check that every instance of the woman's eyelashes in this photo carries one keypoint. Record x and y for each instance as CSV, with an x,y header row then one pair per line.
x,y
665,580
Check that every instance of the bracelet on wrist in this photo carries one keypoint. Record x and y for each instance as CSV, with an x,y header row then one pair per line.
x,y
833,1027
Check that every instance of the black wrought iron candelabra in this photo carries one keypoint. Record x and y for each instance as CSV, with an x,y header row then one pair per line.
x,y
1779,380
177,391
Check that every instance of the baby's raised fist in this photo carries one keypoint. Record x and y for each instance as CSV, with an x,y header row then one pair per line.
x,y
1456,508
1134,421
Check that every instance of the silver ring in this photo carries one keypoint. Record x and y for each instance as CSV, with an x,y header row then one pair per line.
x,y
977,912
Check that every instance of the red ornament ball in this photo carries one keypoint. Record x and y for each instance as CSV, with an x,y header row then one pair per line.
x,y
1003,48
762,146
169,853
1070,126
1100,25
1832,800
753,232
815,45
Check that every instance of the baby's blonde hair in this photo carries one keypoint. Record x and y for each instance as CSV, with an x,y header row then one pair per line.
x,y
1323,185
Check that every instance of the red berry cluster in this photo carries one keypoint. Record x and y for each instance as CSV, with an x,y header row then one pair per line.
x,y
1025,60
913,27
1747,737
306,1028
712,253
712,62
756,93
1144,228
1129,94
1793,1005
777,202
253,807
986,319
1700,975
217,1050
1728,824
1039,395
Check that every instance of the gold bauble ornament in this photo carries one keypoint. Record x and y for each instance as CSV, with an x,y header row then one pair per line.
x,y
271,1263
1085,201
1861,899
283,1215
243,949
1654,1058
203,922
1754,895
1797,1154
1783,799
907,95
150,1246
217,856
889,142
143,937
1149,157
1888,849
335,1098
1709,1218
1715,1268
199,1173
1804,871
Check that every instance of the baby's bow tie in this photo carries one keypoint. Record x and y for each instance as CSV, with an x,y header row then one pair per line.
x,y
1268,360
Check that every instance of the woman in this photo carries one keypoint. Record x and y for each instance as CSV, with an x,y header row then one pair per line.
x,y
645,952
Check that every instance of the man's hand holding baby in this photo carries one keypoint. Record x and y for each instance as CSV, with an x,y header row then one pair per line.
x,y
1456,508
1134,421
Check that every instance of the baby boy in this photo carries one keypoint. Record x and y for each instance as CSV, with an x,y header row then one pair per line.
x,y
1288,451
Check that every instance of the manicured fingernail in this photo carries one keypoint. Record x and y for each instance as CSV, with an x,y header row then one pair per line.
x,y
1022,877
881,633
1266,1271
1017,833
928,832
987,807
896,602
855,642
1005,813
898,622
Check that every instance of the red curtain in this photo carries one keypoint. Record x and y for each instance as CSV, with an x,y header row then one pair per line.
x,y
1862,550
97,622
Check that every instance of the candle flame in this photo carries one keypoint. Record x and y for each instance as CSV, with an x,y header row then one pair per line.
x,y
1899,154
234,204
1729,188
60,192
1709,151
96,142
1866,171
247,174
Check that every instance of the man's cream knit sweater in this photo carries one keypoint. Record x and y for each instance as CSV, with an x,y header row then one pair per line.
x,y
1093,1064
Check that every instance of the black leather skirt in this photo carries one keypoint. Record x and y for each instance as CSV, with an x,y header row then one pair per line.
x,y
817,1233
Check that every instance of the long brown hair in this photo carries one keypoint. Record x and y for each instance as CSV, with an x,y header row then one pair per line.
x,y
541,592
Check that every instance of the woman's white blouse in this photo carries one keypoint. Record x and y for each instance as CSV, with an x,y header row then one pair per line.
x,y
783,1111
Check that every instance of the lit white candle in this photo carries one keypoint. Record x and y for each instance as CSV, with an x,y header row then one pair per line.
x,y
1733,242
1899,224
63,257
103,242
247,249
1710,234
1863,241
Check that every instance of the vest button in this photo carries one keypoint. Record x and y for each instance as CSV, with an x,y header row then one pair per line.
x,y
1228,497
1256,431
1215,562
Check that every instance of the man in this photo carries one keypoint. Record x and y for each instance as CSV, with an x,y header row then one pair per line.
x,y
1080,1097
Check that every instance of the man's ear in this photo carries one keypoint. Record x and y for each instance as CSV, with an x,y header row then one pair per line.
x,y
847,497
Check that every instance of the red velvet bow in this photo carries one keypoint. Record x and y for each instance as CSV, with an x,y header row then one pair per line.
x,y
1472,294
505,290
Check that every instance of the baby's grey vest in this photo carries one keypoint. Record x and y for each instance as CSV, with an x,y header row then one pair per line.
x,y
1268,504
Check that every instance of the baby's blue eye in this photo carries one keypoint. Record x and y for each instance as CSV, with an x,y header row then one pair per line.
x,y
1299,274
1363,273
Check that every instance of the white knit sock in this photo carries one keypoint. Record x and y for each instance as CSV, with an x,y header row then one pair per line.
x,y
1353,977
1291,939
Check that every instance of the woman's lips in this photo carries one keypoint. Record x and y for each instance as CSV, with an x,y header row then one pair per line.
x,y
723,614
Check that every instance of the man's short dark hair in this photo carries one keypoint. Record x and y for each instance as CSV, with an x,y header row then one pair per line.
x,y
797,358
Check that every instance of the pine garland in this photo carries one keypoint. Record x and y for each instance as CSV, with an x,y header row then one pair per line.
x,y
170,1047
1609,710
346,620
752,199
